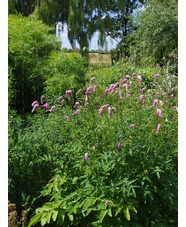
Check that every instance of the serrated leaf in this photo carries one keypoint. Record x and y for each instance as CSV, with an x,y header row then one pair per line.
x,y
102,215
110,212
54,215
118,210
48,217
35,219
127,213
43,221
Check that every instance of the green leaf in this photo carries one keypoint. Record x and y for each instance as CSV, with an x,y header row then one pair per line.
x,y
127,213
71,217
61,216
54,215
102,215
35,219
118,210
43,221
48,217
110,212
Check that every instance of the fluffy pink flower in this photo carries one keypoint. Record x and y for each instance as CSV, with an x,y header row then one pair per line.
x,y
172,96
63,100
120,95
86,157
110,112
140,79
155,102
125,80
106,91
119,145
100,111
158,128
76,104
159,113
35,107
126,88
157,75
53,107
94,89
132,125
94,148
115,86
41,100
46,106
161,103
77,111
67,117
68,92
142,90
134,74
142,97
35,102
59,99
175,108
91,81
106,202
105,106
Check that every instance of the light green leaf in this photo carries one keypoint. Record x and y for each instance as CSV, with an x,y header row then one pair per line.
x,y
127,213
102,215
54,215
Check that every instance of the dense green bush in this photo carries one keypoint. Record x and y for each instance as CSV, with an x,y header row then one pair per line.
x,y
134,184
63,72
29,45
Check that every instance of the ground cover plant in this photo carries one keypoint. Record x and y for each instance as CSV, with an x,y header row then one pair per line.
x,y
112,150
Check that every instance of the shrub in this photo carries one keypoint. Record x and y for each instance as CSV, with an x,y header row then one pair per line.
x,y
29,45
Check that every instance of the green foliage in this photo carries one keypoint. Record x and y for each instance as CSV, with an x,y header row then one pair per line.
x,y
29,45
158,29
64,72
139,180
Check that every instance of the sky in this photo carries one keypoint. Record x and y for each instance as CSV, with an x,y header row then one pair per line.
x,y
93,45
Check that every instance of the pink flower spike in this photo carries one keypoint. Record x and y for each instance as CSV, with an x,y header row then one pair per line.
x,y
158,128
155,102
86,157
175,108
106,202
91,81
76,104
105,106
35,102
41,100
46,106
100,111
120,95
35,107
59,99
139,73
67,117
77,111
125,80
140,79
68,92
119,145
133,125
172,96
161,103
94,148
126,87
142,97
159,113
106,91
53,107
110,112
63,100
142,90
94,89
134,74
157,75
